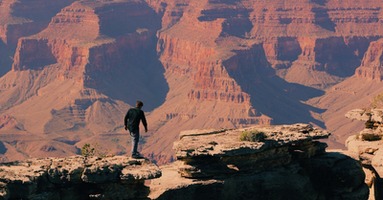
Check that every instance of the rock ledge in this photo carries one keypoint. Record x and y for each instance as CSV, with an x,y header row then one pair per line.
x,y
77,177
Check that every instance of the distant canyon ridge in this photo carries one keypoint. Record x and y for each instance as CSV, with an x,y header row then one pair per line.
x,y
70,69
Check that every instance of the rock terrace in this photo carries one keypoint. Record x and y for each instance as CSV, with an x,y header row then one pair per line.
x,y
77,177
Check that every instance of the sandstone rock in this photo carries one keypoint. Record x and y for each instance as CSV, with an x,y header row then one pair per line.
x,y
371,65
211,153
367,146
364,115
358,114
66,170
215,164
377,162
262,185
77,178
369,153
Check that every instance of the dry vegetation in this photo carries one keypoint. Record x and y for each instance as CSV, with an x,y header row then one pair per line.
x,y
253,136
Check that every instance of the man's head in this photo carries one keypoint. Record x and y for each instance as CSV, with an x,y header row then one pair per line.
x,y
139,104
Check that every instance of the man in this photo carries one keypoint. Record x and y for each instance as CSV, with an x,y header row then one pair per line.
x,y
132,122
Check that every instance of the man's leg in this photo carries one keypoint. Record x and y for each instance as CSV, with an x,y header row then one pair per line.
x,y
135,140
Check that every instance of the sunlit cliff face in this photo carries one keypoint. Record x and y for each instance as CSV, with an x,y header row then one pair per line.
x,y
195,64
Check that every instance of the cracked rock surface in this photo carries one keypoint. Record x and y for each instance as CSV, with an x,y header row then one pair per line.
x,y
77,177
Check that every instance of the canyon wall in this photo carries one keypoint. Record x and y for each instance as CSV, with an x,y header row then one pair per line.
x,y
23,18
371,67
276,55
249,62
75,79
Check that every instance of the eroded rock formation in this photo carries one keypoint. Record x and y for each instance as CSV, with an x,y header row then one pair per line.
x,y
67,76
250,62
367,146
23,18
273,162
249,54
285,163
371,66
77,178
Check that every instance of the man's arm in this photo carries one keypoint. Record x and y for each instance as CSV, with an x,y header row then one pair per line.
x,y
126,120
144,121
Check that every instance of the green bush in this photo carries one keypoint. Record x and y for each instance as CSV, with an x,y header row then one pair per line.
x,y
253,136
87,150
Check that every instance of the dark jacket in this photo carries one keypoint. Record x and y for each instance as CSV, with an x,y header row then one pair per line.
x,y
133,118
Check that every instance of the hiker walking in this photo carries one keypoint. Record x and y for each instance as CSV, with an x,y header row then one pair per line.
x,y
132,122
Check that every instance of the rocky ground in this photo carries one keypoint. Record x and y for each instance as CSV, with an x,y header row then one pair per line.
x,y
77,177
273,162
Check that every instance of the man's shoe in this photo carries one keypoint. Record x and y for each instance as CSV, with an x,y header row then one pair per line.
x,y
137,155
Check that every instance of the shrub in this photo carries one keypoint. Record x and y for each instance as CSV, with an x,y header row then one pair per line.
x,y
370,137
87,150
96,150
377,101
253,136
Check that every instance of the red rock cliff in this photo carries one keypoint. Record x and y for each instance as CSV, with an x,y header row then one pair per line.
x,y
372,66
72,75
195,64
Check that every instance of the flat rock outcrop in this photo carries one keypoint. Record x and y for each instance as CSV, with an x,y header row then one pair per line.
x,y
77,178
283,162
275,147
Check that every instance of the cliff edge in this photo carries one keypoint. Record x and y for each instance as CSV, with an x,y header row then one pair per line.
x,y
77,177
279,162
262,162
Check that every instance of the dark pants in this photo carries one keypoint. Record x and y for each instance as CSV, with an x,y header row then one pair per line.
x,y
135,139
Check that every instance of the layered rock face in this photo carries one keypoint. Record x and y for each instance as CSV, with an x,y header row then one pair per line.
x,y
366,146
77,178
250,53
195,64
75,79
307,36
274,146
371,66
285,163
23,18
